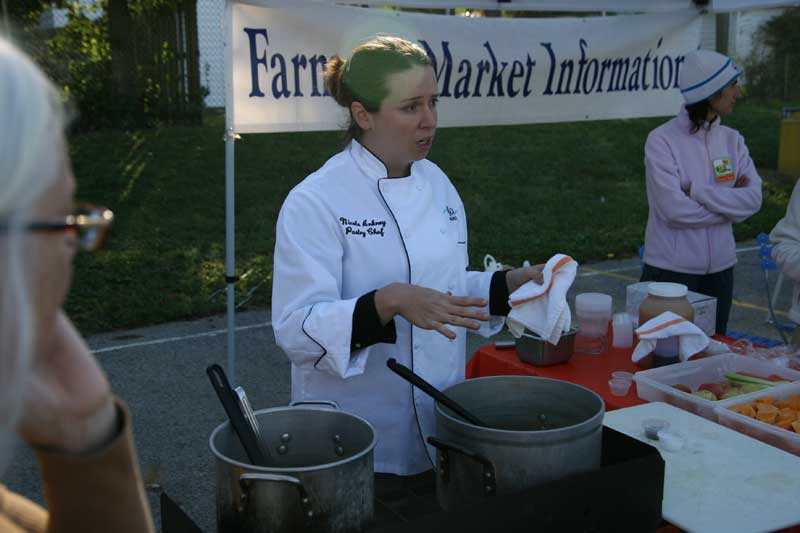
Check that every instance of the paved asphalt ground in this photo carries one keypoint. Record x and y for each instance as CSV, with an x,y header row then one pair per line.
x,y
160,372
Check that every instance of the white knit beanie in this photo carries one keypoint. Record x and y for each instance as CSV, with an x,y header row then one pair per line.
x,y
704,73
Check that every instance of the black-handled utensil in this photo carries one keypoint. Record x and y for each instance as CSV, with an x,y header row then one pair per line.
x,y
230,402
406,373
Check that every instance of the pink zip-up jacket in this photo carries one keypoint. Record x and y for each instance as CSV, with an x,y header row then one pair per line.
x,y
693,203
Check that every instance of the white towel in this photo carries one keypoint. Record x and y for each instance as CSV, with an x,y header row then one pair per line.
x,y
543,308
691,339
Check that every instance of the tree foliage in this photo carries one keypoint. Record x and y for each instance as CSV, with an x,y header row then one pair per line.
x,y
773,68
114,74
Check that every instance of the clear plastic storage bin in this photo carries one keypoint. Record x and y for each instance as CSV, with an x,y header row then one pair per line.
x,y
655,385
785,439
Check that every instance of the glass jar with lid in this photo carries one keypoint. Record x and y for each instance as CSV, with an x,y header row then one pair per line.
x,y
663,297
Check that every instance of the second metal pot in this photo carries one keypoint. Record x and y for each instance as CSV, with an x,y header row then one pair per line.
x,y
540,430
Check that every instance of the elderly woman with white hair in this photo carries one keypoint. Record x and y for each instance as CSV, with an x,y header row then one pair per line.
x,y
53,393
700,181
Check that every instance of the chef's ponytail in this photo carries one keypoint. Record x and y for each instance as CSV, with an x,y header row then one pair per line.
x,y
362,77
334,72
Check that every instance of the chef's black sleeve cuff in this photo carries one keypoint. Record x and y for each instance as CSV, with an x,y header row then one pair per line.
x,y
498,294
367,328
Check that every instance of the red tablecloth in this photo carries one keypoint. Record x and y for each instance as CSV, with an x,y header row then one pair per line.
x,y
592,371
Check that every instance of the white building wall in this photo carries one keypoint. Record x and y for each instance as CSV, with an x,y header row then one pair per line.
x,y
210,26
708,32
747,25
57,18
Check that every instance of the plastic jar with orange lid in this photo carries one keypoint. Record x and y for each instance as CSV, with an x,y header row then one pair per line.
x,y
663,297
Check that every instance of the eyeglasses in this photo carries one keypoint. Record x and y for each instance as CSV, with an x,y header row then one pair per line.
x,y
89,224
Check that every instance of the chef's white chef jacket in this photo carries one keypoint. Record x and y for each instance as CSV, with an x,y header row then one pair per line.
x,y
347,230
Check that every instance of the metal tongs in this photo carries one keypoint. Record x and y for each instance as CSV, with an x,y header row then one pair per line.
x,y
251,419
241,416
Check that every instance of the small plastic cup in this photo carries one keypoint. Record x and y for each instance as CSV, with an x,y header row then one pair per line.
x,y
619,374
619,387
671,441
652,426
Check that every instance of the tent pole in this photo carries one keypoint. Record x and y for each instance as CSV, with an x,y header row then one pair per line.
x,y
230,267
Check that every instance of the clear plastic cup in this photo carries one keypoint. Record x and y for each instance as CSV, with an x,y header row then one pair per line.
x,y
671,441
619,374
622,330
619,387
652,426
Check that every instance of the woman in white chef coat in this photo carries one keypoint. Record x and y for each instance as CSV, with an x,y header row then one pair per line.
x,y
371,259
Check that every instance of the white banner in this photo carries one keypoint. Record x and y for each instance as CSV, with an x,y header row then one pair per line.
x,y
616,6
490,71
721,6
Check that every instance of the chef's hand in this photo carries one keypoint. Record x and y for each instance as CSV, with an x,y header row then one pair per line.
x,y
67,401
429,309
519,276
741,181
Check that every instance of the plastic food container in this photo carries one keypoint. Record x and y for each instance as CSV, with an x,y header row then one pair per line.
x,y
655,385
593,311
785,439
619,387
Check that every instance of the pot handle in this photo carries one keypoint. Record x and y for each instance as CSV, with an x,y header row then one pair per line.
x,y
329,403
245,480
489,479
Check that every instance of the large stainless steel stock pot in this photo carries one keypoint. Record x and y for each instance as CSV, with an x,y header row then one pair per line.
x,y
320,476
539,430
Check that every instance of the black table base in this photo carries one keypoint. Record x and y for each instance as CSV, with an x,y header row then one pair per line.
x,y
624,494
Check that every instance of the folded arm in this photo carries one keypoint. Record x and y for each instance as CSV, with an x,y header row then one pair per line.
x,y
734,203
665,195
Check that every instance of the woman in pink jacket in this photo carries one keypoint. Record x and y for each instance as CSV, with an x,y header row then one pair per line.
x,y
700,181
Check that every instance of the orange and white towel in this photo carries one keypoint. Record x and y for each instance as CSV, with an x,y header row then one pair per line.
x,y
691,339
543,309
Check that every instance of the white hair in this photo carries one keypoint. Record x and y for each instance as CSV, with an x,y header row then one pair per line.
x,y
31,156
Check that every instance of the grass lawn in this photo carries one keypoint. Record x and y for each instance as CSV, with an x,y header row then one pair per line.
x,y
529,191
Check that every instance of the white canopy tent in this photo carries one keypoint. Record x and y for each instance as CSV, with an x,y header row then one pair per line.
x,y
259,95
616,6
